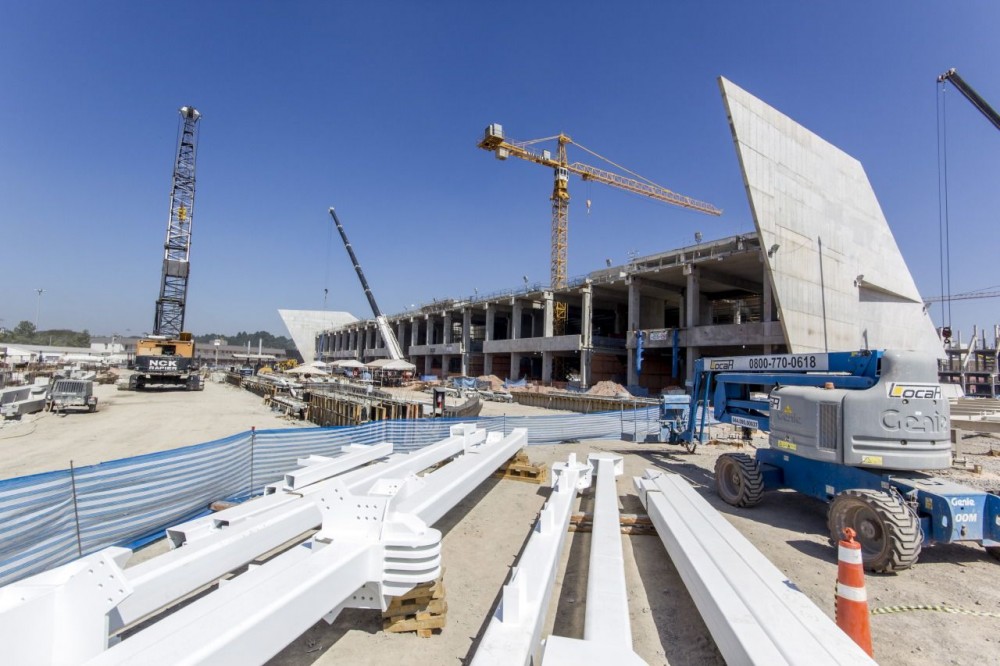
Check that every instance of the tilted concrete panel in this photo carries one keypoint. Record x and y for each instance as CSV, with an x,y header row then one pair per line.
x,y
840,282
305,325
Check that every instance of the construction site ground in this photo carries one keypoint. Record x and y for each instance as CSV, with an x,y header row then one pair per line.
x,y
485,532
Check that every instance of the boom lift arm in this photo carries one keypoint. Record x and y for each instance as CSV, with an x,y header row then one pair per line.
x,y
391,343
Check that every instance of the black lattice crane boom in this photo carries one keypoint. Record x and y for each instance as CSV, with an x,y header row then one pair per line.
x,y
495,142
170,306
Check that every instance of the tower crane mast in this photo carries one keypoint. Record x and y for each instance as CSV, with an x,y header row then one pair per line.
x,y
170,306
494,141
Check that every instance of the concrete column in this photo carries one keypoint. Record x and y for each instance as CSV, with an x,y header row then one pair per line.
x,y
491,316
547,326
401,333
427,364
446,333
445,364
414,331
586,335
428,330
766,305
634,300
515,320
515,366
466,340
692,301
546,366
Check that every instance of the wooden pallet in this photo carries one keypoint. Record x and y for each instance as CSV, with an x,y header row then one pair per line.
x,y
422,610
630,523
519,468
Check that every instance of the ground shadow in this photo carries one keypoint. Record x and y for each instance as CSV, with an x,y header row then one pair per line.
x,y
683,635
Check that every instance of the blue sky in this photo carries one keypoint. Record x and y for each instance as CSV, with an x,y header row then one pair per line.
x,y
376,108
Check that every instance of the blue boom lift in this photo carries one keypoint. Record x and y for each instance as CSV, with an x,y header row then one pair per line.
x,y
856,429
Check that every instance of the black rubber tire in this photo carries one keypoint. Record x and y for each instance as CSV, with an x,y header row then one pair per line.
x,y
91,408
889,533
738,480
993,551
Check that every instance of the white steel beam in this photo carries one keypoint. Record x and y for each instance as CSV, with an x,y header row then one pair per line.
x,y
372,545
515,629
755,613
351,456
60,616
252,618
607,634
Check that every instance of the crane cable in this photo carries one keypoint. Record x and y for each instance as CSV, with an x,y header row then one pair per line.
x,y
944,229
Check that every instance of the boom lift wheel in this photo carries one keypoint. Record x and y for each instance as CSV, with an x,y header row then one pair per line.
x,y
994,552
889,533
738,480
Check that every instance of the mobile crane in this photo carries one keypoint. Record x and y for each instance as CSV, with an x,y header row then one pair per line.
x,y
855,429
391,343
167,357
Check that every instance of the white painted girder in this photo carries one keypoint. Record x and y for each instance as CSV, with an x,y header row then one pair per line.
x,y
370,550
351,456
607,634
513,634
754,612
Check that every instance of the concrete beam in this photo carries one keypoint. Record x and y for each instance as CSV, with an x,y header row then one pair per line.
x,y
730,280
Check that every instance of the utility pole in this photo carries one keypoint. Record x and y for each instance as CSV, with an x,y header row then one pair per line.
x,y
38,306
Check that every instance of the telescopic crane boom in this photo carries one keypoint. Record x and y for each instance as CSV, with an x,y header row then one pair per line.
x,y
971,95
391,343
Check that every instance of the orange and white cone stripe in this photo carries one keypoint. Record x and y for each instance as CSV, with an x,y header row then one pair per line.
x,y
852,600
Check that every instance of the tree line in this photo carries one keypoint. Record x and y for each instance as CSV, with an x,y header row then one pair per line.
x,y
26,334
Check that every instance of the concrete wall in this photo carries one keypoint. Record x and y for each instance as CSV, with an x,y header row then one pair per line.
x,y
815,204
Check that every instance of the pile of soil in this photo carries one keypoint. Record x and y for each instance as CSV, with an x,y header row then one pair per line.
x,y
608,389
495,383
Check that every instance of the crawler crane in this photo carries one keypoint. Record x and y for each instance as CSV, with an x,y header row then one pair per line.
x,y
167,357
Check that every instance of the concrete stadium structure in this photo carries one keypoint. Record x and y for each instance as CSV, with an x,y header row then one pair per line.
x,y
821,273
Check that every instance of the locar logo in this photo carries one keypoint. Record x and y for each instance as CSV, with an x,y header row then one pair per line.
x,y
919,391
721,364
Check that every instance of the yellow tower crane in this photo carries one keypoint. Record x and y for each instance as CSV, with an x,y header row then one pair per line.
x,y
503,148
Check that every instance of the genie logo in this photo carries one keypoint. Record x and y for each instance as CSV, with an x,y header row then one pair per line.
x,y
962,501
894,420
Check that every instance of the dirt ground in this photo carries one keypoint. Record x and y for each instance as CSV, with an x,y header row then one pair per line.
x,y
130,423
485,532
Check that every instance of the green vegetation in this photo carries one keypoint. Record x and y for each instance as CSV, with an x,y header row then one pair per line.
x,y
242,338
24,333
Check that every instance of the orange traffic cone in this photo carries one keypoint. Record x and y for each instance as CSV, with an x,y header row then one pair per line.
x,y
852,600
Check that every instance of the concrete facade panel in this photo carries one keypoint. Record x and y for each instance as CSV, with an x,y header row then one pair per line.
x,y
814,205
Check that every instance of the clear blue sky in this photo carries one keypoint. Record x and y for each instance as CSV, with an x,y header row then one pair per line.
x,y
375,108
